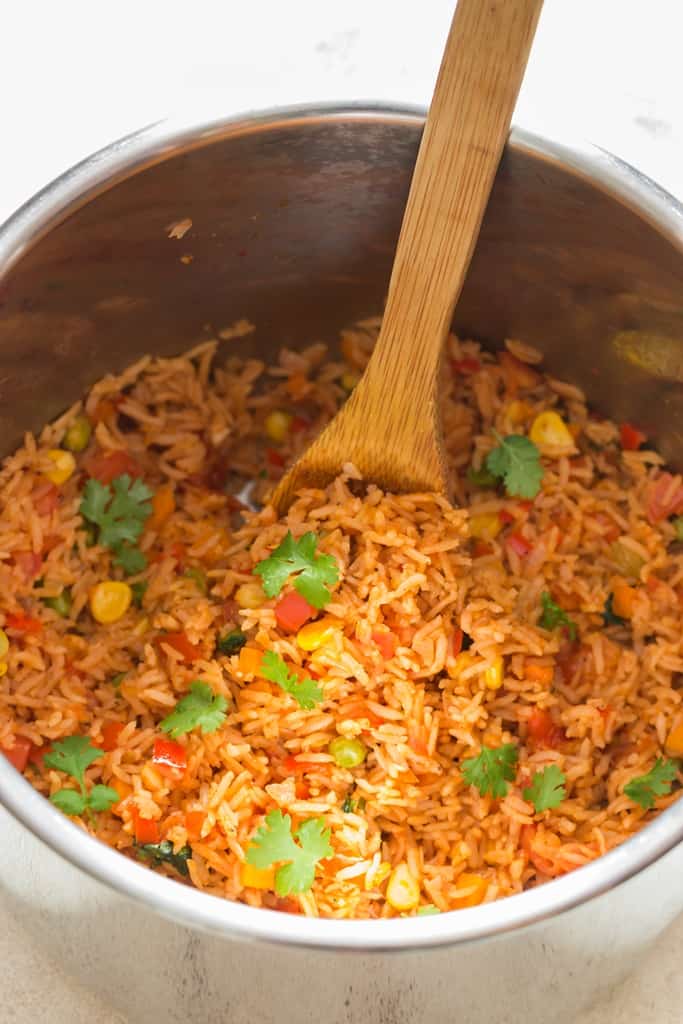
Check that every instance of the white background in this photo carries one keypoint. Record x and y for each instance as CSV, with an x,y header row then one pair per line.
x,y
75,75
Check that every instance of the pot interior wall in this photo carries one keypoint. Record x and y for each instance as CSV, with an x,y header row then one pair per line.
x,y
294,226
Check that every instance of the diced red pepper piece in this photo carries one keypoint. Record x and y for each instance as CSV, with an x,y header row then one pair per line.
x,y
17,755
519,544
631,438
110,735
46,499
456,642
663,499
481,548
466,366
386,641
146,829
274,457
194,822
169,757
543,732
292,611
298,425
106,466
23,623
28,563
36,754
292,766
506,517
181,643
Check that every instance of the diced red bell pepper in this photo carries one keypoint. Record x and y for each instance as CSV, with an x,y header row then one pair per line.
x,y
286,905
543,732
146,829
386,641
106,466
298,425
292,611
28,563
519,544
169,757
631,438
466,366
110,735
46,499
180,642
481,548
194,822
456,642
506,517
274,457
663,500
23,623
36,754
292,766
17,755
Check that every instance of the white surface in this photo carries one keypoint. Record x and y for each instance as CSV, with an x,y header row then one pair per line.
x,y
75,75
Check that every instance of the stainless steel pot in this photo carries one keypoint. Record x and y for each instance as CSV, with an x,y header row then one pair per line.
x,y
295,215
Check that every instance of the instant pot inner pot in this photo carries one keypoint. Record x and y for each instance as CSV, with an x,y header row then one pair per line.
x,y
293,226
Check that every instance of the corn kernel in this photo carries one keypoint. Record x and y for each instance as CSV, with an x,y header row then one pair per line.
x,y
550,429
477,887
317,634
277,425
674,742
151,778
257,878
493,675
403,890
4,643
64,466
459,664
348,381
373,879
78,434
109,601
485,527
3,668
250,595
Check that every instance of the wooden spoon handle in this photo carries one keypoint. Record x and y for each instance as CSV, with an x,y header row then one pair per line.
x,y
479,79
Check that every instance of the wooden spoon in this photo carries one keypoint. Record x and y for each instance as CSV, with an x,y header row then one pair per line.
x,y
389,428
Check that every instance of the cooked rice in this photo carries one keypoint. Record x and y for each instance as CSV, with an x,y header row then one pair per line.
x,y
407,563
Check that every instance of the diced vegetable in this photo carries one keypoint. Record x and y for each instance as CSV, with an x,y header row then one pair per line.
x,y
170,757
18,753
181,644
674,741
493,675
250,595
64,465
138,591
163,507
305,691
107,466
277,424
250,661
491,770
200,708
231,643
252,877
626,560
608,616
61,604
482,477
146,829
23,623
631,438
109,601
110,735
473,888
315,573
677,524
485,527
518,543
77,435
292,611
550,429
547,789
539,672
386,641
316,634
645,789
194,823
427,910
163,853
348,381
542,730
274,843
623,600
517,462
553,616
347,753
403,889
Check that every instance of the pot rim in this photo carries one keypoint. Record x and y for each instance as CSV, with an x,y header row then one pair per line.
x,y
180,903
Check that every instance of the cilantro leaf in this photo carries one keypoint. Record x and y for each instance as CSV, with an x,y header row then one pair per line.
x,y
163,853
231,642
517,461
553,616
547,789
200,707
101,798
69,801
305,692
139,590
120,510
491,770
644,789
315,573
73,755
274,843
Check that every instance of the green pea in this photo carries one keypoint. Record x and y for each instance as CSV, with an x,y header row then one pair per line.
x,y
677,524
77,435
61,604
347,753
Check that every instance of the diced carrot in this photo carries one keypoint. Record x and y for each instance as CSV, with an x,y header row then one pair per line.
x,y
23,623
538,672
631,438
180,643
623,598
250,661
163,506
106,466
542,730
476,887
17,754
169,757
302,790
386,641
110,735
28,563
194,823
292,611
146,829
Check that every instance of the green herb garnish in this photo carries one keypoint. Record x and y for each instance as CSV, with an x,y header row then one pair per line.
x,y
547,789
200,708
162,853
609,617
120,511
491,770
72,756
305,692
61,604
314,573
644,789
274,843
231,642
139,590
517,462
553,616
